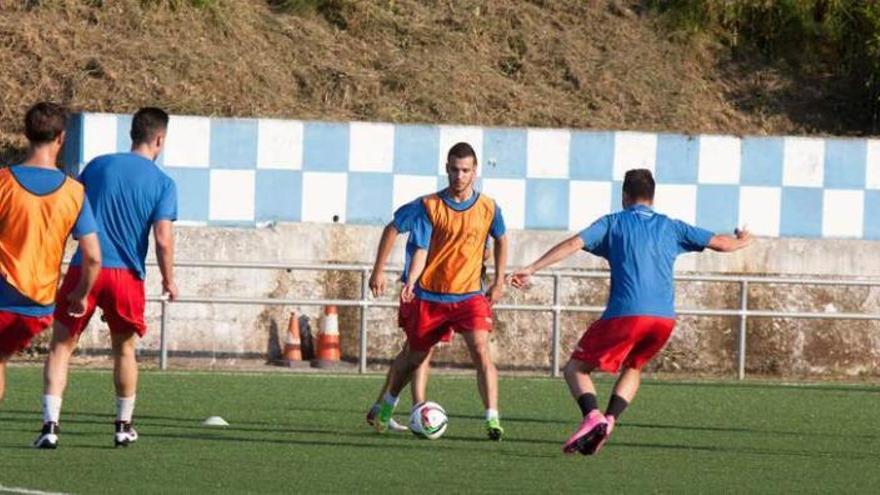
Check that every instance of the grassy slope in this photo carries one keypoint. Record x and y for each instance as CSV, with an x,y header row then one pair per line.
x,y
510,62
295,433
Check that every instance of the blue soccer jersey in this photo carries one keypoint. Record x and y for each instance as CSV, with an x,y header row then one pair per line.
x,y
128,193
641,247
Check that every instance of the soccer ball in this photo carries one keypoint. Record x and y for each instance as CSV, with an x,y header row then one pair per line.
x,y
428,421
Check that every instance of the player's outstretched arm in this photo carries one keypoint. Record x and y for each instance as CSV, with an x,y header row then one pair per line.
x,y
496,290
728,243
163,231
386,245
557,253
416,267
90,248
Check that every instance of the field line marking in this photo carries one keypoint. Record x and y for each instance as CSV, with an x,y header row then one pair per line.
x,y
27,491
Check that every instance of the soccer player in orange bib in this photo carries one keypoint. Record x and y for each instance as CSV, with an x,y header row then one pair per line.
x,y
419,379
452,226
39,208
641,246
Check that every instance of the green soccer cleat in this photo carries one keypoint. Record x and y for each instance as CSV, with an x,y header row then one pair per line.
x,y
494,430
384,417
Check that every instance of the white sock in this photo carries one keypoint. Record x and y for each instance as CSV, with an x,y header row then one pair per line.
x,y
51,408
390,399
491,414
124,408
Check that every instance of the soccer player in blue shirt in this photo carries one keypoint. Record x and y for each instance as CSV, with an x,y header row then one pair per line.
x,y
419,382
130,196
640,246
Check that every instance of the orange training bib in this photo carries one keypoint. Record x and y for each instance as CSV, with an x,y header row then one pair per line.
x,y
455,255
33,231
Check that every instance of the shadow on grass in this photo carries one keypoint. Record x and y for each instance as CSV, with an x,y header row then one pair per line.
x,y
143,417
515,419
370,440
409,444
748,451
61,446
76,414
219,433
457,444
751,431
36,431
160,421
819,387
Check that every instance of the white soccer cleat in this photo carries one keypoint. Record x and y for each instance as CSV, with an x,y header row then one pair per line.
x,y
125,435
393,425
48,438
396,427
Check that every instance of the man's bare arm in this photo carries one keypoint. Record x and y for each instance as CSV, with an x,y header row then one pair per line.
x,y
386,245
727,243
556,254
90,247
163,231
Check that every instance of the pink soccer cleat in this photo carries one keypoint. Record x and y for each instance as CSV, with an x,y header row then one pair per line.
x,y
595,447
592,430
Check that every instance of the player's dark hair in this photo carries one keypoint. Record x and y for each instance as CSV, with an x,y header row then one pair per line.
x,y
146,123
638,183
44,122
460,151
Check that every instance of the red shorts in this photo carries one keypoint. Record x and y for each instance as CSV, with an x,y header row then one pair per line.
x,y
430,321
404,313
16,331
630,341
118,292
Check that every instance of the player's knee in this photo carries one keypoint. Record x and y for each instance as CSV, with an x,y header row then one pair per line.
x,y
481,356
62,339
568,370
414,359
574,367
482,352
124,351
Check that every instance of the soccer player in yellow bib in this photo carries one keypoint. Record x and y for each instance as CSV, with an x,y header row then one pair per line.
x,y
450,227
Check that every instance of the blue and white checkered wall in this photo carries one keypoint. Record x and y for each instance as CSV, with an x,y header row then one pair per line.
x,y
250,171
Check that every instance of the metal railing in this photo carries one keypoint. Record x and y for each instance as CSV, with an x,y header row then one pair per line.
x,y
556,308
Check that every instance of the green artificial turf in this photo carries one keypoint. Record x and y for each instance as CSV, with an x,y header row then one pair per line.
x,y
305,433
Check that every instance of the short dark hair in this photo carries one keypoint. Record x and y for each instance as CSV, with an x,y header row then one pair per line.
x,y
44,122
146,123
460,151
638,183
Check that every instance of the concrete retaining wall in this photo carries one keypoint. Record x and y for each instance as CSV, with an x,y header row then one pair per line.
x,y
522,340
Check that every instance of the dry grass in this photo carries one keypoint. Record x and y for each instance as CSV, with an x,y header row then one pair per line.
x,y
573,63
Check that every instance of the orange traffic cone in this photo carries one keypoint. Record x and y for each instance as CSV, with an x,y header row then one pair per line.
x,y
328,340
292,346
